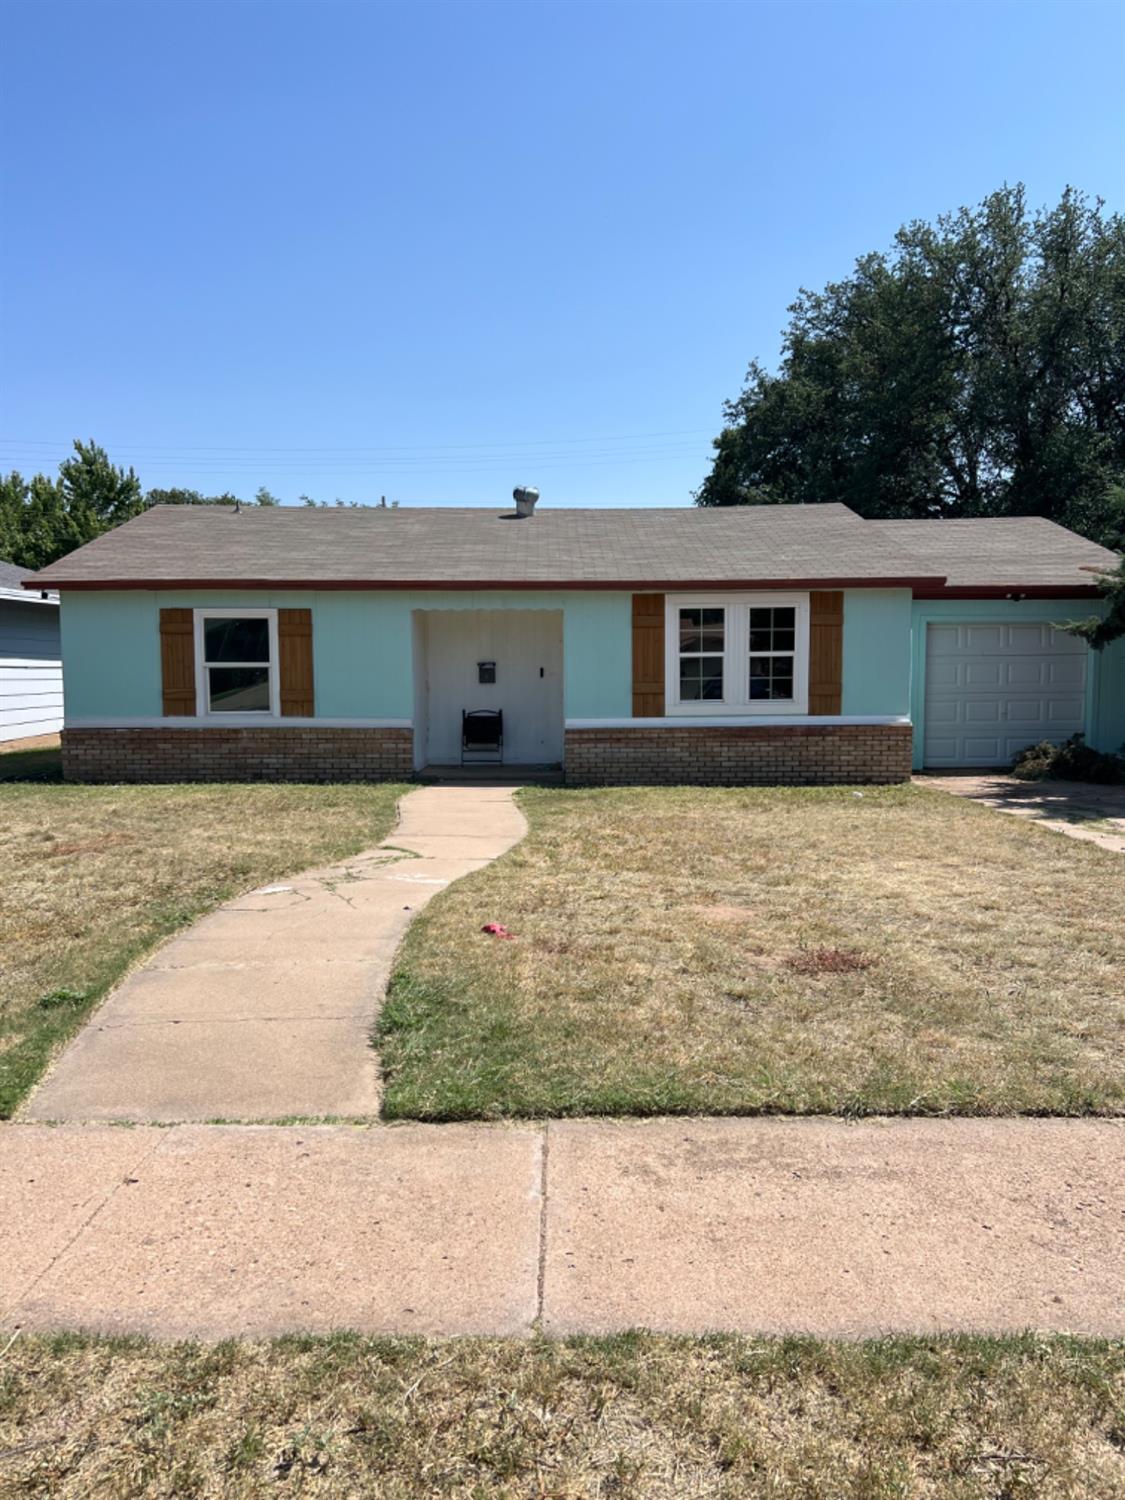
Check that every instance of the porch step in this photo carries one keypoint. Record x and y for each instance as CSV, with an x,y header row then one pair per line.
x,y
494,775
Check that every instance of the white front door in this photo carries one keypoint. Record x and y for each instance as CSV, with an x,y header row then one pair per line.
x,y
993,689
525,647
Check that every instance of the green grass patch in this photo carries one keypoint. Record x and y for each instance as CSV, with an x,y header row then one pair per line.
x,y
640,1416
744,951
94,876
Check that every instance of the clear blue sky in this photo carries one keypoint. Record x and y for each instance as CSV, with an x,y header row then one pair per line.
x,y
435,250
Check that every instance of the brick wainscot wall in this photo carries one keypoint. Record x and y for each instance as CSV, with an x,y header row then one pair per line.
x,y
766,755
274,754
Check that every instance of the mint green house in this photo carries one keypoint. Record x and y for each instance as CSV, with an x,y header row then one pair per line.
x,y
763,644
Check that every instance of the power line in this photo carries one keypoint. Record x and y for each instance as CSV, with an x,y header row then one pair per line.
x,y
416,448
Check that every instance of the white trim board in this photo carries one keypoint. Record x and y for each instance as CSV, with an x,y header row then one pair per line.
x,y
26,596
236,721
741,721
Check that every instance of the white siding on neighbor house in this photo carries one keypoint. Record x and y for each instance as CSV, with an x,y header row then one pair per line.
x,y
31,700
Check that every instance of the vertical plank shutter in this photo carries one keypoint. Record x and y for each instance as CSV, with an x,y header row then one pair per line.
x,y
648,656
826,651
177,662
294,644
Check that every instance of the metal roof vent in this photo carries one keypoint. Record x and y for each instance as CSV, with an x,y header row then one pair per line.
x,y
525,496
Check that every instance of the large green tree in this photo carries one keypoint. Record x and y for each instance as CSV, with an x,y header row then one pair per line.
x,y
976,369
42,519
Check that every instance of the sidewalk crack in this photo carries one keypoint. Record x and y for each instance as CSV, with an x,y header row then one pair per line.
x,y
14,1306
541,1276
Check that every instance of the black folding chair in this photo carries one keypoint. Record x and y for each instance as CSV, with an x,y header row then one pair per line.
x,y
482,733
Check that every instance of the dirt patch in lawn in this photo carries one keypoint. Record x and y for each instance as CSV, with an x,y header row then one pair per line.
x,y
93,876
734,951
636,1416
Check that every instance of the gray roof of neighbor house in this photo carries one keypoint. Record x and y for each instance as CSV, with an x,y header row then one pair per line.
x,y
11,582
796,545
1012,552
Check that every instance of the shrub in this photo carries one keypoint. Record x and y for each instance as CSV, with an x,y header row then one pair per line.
x,y
1073,760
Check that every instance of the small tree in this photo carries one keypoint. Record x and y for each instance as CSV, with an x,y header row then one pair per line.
x,y
97,494
1099,630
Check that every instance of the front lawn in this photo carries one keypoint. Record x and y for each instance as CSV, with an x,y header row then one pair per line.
x,y
736,951
93,876
637,1417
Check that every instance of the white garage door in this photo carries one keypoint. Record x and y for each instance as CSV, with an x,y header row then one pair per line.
x,y
993,689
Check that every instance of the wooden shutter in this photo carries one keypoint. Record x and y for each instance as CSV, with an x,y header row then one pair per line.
x,y
177,662
648,656
294,644
826,651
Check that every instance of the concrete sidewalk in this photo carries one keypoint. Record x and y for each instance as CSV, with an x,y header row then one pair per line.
x,y
768,1226
263,1010
1079,809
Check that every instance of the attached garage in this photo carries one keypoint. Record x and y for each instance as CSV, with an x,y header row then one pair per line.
x,y
995,687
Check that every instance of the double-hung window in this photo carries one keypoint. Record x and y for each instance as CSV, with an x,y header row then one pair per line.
x,y
702,654
773,652
237,655
744,654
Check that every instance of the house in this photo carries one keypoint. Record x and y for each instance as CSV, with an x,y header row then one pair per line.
x,y
762,644
31,695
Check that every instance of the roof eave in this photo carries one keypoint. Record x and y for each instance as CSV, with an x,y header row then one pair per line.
x,y
656,585
1011,591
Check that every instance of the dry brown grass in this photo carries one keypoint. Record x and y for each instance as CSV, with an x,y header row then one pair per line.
x,y
732,951
639,1416
93,876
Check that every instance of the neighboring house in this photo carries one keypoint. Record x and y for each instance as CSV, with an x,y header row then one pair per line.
x,y
31,695
757,644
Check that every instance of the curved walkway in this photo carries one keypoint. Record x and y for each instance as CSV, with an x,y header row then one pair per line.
x,y
263,1010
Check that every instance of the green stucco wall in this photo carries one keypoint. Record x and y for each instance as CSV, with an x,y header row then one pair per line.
x,y
362,645
362,652
876,651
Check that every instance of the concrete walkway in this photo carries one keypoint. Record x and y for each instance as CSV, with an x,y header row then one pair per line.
x,y
1080,809
263,1010
766,1226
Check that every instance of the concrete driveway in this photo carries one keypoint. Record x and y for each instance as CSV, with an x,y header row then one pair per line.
x,y
1095,814
263,1010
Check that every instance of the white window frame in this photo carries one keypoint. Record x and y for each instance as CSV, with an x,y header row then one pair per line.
x,y
203,707
736,655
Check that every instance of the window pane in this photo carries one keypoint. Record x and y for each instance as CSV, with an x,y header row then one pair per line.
x,y
701,629
701,679
236,640
239,690
771,677
773,629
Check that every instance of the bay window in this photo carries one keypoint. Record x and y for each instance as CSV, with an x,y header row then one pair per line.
x,y
743,654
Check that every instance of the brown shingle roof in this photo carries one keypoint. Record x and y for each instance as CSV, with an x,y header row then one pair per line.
x,y
1012,552
467,547
807,545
